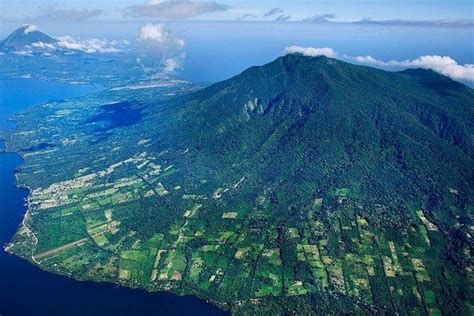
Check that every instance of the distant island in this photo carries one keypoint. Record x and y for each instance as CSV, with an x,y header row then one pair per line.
x,y
307,185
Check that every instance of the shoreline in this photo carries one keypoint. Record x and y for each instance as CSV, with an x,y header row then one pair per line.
x,y
7,247
223,307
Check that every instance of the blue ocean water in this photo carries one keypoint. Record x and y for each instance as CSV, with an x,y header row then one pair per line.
x,y
27,290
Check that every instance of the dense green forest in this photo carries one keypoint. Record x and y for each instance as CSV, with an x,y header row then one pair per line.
x,y
307,185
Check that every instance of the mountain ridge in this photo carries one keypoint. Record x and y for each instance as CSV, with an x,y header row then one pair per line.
x,y
339,115
325,81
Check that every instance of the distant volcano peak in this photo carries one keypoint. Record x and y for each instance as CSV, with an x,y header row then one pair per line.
x,y
24,36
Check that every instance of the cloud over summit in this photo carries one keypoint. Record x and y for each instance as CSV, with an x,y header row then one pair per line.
x,y
28,28
444,65
311,51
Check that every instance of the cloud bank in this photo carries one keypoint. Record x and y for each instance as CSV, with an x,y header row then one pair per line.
x,y
444,65
69,44
173,9
43,46
90,45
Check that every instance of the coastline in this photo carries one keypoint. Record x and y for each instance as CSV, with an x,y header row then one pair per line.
x,y
26,203
224,307
31,276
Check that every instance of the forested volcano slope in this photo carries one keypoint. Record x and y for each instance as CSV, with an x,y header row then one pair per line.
x,y
315,124
304,185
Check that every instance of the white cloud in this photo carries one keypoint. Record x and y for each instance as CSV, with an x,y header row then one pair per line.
x,y
173,9
152,32
161,42
366,60
43,45
158,36
91,45
29,28
311,51
174,64
24,53
444,65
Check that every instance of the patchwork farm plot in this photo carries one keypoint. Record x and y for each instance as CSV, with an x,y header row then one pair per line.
x,y
79,227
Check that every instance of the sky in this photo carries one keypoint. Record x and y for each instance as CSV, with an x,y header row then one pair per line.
x,y
292,10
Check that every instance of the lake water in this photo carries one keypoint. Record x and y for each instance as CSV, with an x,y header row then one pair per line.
x,y
27,290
